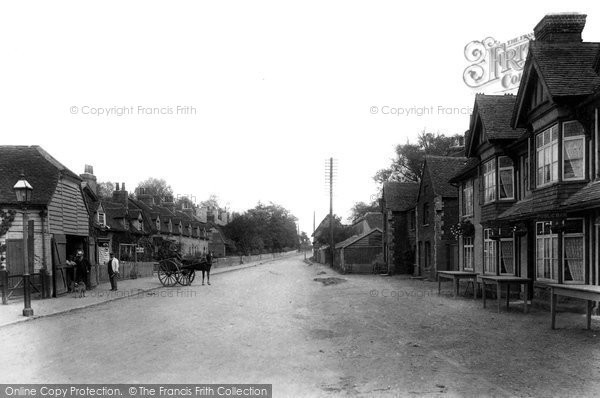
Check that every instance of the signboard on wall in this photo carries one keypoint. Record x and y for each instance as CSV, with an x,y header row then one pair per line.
x,y
103,252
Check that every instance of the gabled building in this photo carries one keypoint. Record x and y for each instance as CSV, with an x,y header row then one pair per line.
x,y
531,188
58,212
399,225
436,213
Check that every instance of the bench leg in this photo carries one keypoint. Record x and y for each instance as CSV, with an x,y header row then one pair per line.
x,y
483,292
525,303
589,314
499,293
553,308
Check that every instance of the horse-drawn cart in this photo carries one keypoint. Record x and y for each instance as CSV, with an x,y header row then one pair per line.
x,y
174,270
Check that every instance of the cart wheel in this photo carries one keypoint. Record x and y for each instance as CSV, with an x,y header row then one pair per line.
x,y
167,273
185,277
192,276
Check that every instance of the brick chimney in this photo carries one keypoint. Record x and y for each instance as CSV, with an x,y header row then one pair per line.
x,y
120,195
560,28
89,178
143,196
168,203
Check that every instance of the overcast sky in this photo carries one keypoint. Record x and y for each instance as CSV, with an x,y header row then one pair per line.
x,y
277,88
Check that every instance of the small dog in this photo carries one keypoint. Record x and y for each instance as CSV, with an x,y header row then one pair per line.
x,y
78,289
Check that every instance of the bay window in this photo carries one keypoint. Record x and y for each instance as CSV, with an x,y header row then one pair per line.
x,y
489,252
467,198
468,253
546,252
506,172
489,181
573,251
546,144
573,151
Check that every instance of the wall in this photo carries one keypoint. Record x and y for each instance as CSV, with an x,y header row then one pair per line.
x,y
67,213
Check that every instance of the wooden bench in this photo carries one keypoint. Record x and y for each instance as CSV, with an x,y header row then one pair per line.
x,y
456,276
590,293
507,280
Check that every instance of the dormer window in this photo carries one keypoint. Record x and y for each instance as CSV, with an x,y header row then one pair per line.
x,y
170,226
158,224
180,228
101,218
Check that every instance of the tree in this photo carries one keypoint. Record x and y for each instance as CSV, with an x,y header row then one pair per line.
x,y
269,228
105,189
340,232
361,208
212,201
156,187
408,164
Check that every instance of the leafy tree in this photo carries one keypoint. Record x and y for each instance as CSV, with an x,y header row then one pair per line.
x,y
361,208
340,232
156,187
408,164
269,228
105,189
212,201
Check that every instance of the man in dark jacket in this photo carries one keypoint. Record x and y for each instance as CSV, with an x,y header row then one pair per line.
x,y
82,268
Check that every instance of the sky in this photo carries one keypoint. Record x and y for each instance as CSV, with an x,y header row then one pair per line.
x,y
247,99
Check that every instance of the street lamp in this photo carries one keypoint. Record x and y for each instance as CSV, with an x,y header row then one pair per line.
x,y
24,191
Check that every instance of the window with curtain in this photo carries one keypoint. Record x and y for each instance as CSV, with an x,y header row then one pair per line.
x,y
468,253
489,252
489,181
506,171
506,257
573,270
573,151
546,144
546,253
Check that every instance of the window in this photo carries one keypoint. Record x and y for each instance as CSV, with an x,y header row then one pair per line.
x,y
425,213
506,257
467,198
573,251
525,187
468,253
546,252
573,151
489,253
546,144
506,171
489,181
101,219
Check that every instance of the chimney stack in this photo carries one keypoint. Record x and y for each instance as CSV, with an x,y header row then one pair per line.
x,y
120,195
144,196
89,179
560,28
168,203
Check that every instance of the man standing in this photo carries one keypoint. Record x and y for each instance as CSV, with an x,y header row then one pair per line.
x,y
82,268
113,270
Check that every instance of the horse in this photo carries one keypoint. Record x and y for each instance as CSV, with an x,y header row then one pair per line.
x,y
203,265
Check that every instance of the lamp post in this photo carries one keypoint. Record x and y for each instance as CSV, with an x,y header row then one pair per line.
x,y
24,191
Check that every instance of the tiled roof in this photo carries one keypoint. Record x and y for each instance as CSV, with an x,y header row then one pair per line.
x,y
400,196
41,171
586,197
567,68
523,208
375,220
441,169
495,112
352,239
